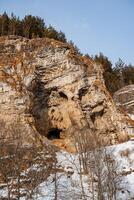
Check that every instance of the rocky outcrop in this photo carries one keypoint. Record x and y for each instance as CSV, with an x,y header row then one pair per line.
x,y
52,89
125,98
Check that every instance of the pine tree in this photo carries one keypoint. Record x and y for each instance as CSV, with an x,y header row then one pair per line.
x,y
4,24
29,27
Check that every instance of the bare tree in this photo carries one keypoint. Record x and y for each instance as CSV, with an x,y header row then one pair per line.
x,y
22,168
98,163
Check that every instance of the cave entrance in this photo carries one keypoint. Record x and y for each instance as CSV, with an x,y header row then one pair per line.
x,y
54,133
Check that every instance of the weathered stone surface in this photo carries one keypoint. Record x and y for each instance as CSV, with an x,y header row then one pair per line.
x,y
125,98
50,87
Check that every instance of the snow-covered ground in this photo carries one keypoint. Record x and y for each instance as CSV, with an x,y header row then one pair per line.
x,y
124,153
66,182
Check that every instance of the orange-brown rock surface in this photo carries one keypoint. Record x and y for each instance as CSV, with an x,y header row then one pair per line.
x,y
51,89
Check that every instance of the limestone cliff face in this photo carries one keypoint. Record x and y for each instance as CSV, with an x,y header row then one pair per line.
x,y
52,89
125,98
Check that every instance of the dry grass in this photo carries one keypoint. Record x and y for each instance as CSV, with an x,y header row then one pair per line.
x,y
125,153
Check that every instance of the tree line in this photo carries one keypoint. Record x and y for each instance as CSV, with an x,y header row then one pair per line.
x,y
29,27
117,76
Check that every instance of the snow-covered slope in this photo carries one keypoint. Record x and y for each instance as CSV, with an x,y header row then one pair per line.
x,y
69,180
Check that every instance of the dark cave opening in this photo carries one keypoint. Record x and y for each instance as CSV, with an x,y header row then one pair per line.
x,y
54,133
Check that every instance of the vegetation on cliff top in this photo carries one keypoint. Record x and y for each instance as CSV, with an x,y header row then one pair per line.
x,y
117,76
29,27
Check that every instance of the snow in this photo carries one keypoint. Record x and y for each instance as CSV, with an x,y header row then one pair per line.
x,y
66,181
70,185
126,165
127,192
125,162
3,192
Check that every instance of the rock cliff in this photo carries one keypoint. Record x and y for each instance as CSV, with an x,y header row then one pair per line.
x,y
125,98
53,92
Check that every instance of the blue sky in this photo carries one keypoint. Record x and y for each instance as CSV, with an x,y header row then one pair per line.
x,y
94,25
